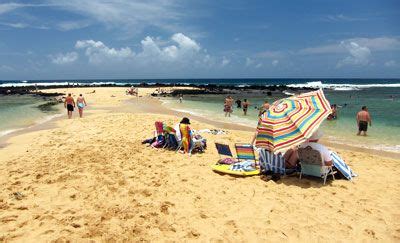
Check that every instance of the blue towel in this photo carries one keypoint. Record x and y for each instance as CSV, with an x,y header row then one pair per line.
x,y
342,166
272,162
243,166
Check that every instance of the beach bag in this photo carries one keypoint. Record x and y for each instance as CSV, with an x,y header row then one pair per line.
x,y
159,143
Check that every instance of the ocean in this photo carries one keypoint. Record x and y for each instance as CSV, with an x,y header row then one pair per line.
x,y
382,96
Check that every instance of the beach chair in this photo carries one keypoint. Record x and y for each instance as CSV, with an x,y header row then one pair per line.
x,y
246,167
272,162
159,134
313,164
225,154
342,167
245,151
223,149
171,142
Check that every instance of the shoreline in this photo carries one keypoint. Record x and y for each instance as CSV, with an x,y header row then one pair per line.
x,y
153,105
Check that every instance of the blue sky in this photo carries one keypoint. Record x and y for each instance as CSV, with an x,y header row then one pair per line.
x,y
71,39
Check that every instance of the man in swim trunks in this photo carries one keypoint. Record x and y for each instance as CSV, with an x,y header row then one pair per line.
x,y
363,118
69,103
81,102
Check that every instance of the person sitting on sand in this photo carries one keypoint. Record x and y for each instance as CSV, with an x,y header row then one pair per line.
x,y
363,118
81,103
228,106
69,103
245,106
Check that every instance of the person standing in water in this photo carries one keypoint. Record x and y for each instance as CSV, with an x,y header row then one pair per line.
x,y
245,106
69,103
180,98
81,103
264,107
363,118
228,106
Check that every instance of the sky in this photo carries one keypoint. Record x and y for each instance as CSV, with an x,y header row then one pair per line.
x,y
140,39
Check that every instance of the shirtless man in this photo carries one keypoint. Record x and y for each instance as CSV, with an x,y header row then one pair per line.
x,y
264,107
363,118
69,103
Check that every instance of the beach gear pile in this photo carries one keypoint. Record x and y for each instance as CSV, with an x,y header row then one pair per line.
x,y
166,137
243,165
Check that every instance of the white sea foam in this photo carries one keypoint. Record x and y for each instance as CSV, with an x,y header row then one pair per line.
x,y
342,87
6,132
288,93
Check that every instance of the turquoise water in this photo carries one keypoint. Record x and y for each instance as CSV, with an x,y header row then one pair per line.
x,y
385,111
19,111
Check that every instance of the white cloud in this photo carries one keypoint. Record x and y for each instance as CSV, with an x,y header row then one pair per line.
x,y
186,48
179,49
270,54
64,58
98,52
341,18
225,61
8,7
249,61
258,65
5,68
391,63
130,15
374,44
275,63
72,25
15,25
359,55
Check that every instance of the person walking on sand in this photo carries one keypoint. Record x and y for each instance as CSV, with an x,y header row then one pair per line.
x,y
363,118
228,106
245,106
69,103
81,103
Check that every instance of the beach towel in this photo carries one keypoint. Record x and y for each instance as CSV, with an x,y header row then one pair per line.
x,y
186,138
272,162
243,166
341,166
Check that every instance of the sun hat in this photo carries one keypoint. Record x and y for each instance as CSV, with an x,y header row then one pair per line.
x,y
185,120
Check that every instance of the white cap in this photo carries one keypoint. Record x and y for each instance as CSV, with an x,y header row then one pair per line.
x,y
316,135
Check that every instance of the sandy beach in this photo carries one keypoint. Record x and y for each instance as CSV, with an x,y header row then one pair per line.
x,y
92,179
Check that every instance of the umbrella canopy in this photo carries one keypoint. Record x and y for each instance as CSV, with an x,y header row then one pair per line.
x,y
291,121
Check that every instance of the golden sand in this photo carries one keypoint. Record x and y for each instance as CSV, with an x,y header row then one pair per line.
x,y
92,179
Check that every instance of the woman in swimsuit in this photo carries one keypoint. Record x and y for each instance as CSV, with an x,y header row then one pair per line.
x,y
245,106
81,103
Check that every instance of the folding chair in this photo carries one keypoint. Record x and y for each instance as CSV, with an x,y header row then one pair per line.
x,y
313,164
245,151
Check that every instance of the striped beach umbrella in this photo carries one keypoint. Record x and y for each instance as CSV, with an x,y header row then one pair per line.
x,y
291,121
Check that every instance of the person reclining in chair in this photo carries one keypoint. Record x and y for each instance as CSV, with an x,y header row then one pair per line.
x,y
313,143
